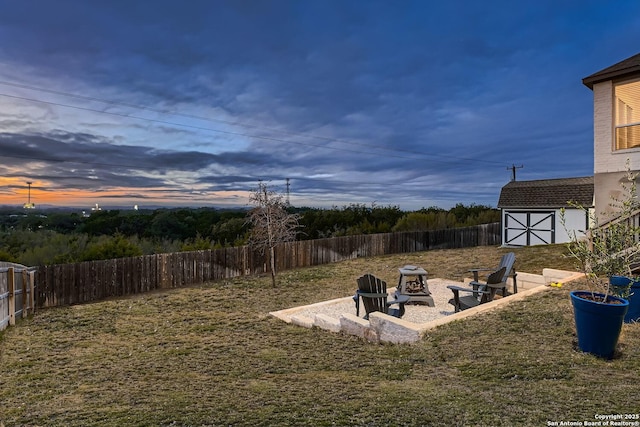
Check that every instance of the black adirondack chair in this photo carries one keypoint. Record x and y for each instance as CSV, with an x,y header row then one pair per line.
x,y
508,261
480,292
373,292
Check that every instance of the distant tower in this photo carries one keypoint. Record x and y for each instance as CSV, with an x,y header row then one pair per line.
x,y
288,191
29,205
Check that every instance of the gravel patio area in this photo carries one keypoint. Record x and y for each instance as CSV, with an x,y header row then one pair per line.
x,y
414,313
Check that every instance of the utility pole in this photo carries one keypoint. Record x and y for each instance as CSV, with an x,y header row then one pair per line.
x,y
288,191
513,171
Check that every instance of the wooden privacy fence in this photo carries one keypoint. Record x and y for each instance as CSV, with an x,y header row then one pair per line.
x,y
16,293
84,282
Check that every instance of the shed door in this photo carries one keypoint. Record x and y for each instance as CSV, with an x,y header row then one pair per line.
x,y
529,228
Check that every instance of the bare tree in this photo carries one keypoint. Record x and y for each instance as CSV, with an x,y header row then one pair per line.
x,y
271,223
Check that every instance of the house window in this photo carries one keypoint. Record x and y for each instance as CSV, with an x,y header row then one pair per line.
x,y
627,115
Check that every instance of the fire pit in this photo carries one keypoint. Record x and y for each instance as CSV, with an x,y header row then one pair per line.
x,y
413,283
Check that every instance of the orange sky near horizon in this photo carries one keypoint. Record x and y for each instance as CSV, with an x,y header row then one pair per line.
x,y
16,192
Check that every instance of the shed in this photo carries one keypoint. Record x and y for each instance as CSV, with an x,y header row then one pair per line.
x,y
531,210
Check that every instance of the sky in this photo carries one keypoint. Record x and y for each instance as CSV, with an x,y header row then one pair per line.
x,y
330,102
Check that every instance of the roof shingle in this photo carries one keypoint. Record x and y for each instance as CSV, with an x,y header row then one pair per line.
x,y
547,193
625,68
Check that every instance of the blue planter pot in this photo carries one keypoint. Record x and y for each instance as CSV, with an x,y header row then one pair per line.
x,y
633,314
598,324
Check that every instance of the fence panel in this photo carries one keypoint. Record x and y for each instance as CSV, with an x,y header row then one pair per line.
x,y
95,280
16,294
4,300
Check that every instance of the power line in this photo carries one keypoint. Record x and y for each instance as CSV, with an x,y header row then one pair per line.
x,y
165,122
140,107
248,178
193,116
84,162
203,128
242,187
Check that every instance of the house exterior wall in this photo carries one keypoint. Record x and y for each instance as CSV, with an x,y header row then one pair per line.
x,y
609,165
604,158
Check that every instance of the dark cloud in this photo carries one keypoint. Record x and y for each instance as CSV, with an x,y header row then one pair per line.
x,y
417,103
89,162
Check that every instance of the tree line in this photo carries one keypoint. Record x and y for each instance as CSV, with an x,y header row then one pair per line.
x,y
40,237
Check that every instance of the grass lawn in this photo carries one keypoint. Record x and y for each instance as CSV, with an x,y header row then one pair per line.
x,y
211,355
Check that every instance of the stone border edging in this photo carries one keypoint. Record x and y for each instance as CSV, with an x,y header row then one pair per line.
x,y
384,328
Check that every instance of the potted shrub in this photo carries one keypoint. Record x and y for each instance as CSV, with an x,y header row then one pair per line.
x,y
622,238
628,287
606,254
625,252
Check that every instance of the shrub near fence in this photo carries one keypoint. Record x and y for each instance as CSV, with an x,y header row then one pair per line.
x,y
65,284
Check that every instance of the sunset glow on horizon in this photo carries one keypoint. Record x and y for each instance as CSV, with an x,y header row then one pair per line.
x,y
17,193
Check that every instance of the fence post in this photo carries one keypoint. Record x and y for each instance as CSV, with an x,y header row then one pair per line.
x,y
25,293
11,282
32,288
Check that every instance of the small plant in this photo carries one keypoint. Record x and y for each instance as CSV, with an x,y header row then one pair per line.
x,y
272,224
611,246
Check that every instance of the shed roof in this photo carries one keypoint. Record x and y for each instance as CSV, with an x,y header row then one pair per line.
x,y
547,193
625,68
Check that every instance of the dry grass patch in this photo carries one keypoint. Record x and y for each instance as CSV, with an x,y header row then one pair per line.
x,y
211,355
